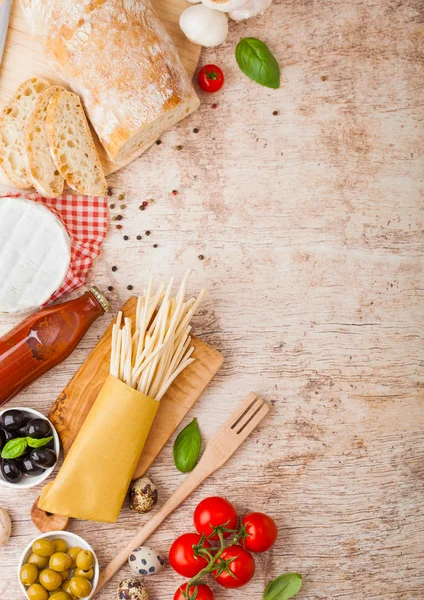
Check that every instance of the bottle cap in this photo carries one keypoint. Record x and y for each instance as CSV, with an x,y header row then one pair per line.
x,y
101,299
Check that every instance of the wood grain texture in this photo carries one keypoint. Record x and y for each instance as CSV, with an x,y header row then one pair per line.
x,y
24,58
73,404
311,227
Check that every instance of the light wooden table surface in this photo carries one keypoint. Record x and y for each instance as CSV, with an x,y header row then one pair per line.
x,y
310,223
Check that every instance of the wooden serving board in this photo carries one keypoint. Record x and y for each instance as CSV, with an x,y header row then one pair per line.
x,y
24,58
74,403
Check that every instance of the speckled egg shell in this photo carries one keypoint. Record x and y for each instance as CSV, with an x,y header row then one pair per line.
x,y
132,589
143,495
145,561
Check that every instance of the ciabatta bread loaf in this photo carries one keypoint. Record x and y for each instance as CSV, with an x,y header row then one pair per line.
x,y
118,57
71,145
13,120
41,170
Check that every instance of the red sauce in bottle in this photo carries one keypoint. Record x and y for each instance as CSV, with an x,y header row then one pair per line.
x,y
45,339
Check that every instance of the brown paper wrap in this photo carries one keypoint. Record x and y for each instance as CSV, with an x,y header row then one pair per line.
x,y
95,476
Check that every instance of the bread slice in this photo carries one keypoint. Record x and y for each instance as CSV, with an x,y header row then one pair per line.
x,y
41,170
13,119
72,146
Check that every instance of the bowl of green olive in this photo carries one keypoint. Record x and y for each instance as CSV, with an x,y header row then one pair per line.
x,y
58,566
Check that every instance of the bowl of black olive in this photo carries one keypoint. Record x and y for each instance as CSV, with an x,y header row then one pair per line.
x,y
29,447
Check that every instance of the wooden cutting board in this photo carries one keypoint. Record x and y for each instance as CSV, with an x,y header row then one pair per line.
x,y
24,58
73,404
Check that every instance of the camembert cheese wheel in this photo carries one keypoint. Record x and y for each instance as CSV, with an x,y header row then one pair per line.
x,y
35,254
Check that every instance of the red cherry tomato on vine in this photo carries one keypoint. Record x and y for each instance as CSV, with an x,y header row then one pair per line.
x,y
210,78
212,512
182,558
203,592
261,532
242,567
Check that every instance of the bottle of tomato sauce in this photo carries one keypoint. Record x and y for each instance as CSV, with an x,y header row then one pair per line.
x,y
45,339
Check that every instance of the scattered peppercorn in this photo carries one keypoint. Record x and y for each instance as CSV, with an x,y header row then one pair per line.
x,y
179,147
200,257
113,218
155,245
129,287
158,142
126,237
121,197
323,77
145,203
141,207
110,288
119,227
114,268
147,232
139,237
214,105
119,217
195,130
174,192
112,206
123,206
275,113
109,191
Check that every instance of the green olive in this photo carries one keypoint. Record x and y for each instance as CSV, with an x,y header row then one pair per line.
x,y
28,574
50,580
59,561
43,547
37,592
73,553
60,545
40,562
85,560
61,596
80,587
66,574
86,574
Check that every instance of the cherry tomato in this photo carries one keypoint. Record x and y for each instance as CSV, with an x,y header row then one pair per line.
x,y
182,558
212,512
210,78
242,566
261,532
203,592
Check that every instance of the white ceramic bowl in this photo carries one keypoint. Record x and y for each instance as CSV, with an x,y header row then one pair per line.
x,y
27,481
73,541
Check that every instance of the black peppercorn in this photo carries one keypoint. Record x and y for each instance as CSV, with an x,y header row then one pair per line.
x,y
114,268
141,207
139,237
155,245
112,206
275,113
200,257
147,232
110,288
126,237
158,142
109,191
129,287
195,130
179,147
119,217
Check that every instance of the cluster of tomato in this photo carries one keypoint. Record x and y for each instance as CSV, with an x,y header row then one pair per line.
x,y
192,555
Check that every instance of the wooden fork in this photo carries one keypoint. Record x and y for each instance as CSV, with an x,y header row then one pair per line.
x,y
219,449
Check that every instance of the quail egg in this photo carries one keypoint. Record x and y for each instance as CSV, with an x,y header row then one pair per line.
x,y
145,561
143,495
132,589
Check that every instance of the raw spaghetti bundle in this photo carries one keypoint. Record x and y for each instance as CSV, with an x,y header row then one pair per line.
x,y
146,356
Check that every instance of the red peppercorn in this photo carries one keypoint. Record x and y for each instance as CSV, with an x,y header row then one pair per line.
x,y
174,192
214,105
118,226
145,203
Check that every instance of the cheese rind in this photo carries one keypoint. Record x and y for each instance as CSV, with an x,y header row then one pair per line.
x,y
35,254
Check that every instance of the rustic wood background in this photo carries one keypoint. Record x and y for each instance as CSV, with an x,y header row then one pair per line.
x,y
310,224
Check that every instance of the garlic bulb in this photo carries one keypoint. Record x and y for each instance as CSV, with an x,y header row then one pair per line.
x,y
225,5
5,527
249,9
204,26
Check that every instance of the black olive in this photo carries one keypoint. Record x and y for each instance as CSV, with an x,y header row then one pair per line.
x,y
39,428
50,445
2,439
22,432
12,420
28,467
7,435
11,471
43,457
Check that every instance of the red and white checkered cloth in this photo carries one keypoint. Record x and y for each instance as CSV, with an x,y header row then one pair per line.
x,y
85,219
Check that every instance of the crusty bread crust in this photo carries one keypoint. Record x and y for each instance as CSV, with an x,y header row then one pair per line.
x,y
118,57
71,145
41,170
13,119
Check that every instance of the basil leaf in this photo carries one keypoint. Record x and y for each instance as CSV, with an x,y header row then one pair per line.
x,y
257,62
14,448
38,443
187,447
284,587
